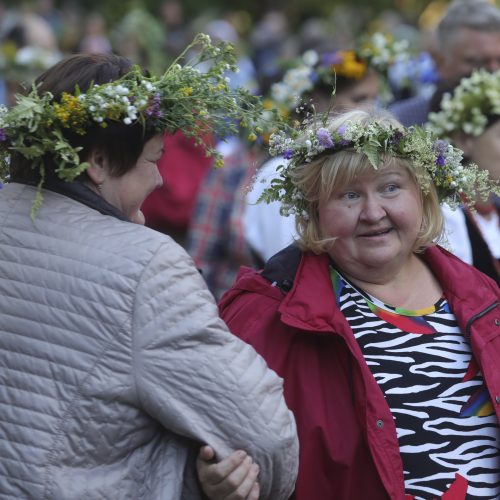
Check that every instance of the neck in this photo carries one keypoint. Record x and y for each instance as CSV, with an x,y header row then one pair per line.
x,y
412,286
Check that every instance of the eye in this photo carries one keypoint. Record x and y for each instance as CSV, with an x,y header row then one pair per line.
x,y
391,188
350,195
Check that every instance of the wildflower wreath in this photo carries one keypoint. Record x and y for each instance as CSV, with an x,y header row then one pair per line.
x,y
470,107
182,98
441,162
378,51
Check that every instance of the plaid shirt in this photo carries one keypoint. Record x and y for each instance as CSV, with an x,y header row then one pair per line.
x,y
216,238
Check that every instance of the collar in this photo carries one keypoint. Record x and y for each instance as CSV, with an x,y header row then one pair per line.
x,y
310,302
80,192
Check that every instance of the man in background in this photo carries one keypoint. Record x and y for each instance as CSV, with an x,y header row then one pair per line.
x,y
467,38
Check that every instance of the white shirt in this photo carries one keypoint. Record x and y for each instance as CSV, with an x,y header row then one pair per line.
x,y
456,236
266,230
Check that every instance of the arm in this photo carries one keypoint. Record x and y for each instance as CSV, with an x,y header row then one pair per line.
x,y
202,382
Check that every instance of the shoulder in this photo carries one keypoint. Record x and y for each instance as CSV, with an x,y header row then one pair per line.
x,y
66,228
257,297
458,277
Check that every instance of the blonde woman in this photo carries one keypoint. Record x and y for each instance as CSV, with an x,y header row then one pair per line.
x,y
387,344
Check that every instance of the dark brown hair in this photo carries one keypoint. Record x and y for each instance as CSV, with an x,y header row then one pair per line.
x,y
120,144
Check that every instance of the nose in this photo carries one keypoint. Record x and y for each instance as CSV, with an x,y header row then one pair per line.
x,y
159,178
372,210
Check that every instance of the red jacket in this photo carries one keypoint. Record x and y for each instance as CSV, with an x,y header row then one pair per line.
x,y
348,444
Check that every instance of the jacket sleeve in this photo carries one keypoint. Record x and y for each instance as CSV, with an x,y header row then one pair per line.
x,y
200,381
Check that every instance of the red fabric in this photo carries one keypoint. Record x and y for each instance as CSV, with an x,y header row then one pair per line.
x,y
183,167
457,489
348,444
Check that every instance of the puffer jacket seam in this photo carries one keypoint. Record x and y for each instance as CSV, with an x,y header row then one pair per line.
x,y
133,336
51,461
132,327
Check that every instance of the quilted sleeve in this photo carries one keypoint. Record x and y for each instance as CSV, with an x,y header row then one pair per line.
x,y
202,382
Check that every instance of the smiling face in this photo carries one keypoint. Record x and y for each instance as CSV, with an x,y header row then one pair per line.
x,y
127,192
375,219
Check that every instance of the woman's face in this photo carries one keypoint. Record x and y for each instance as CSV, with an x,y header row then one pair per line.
x,y
484,150
360,93
376,219
128,191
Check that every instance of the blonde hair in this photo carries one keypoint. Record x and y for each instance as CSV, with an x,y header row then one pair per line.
x,y
319,178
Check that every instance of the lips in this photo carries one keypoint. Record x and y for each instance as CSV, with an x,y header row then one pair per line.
x,y
376,232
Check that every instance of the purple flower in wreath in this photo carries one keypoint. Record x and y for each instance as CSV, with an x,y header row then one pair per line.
x,y
325,138
395,138
154,109
3,135
341,131
288,154
440,160
440,147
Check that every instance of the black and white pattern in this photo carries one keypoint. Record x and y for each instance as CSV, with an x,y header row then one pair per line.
x,y
444,416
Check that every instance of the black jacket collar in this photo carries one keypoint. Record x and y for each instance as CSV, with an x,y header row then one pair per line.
x,y
80,192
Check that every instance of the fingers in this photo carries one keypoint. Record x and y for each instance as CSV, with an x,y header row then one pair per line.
x,y
245,486
233,478
207,453
254,492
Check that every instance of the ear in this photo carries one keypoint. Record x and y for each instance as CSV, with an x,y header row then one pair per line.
x,y
97,171
465,142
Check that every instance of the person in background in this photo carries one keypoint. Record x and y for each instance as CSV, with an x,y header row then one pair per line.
x,y
184,207
95,39
468,38
169,208
116,368
467,112
215,236
388,345
356,78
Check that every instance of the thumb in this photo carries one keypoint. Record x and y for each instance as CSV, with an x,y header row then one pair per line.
x,y
207,453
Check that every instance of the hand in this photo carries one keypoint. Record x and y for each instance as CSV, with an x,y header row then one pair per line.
x,y
234,478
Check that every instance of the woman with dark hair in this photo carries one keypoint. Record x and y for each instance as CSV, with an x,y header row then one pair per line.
x,y
116,368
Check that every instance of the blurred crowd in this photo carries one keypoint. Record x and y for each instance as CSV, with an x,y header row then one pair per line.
x,y
35,34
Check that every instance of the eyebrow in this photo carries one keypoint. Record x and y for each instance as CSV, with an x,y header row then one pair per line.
x,y
399,172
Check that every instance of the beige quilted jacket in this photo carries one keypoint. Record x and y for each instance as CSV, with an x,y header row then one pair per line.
x,y
114,364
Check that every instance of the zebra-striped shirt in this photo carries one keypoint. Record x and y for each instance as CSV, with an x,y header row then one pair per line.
x,y
447,430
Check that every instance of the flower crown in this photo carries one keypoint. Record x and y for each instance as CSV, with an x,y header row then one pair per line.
x,y
378,52
182,98
414,75
473,102
441,162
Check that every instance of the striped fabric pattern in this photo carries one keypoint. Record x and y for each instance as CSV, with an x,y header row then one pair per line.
x,y
447,431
